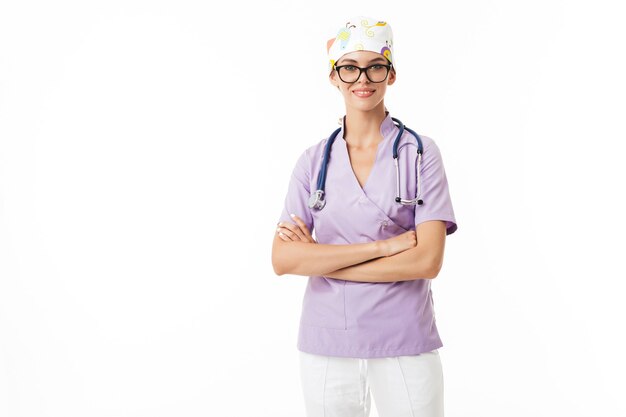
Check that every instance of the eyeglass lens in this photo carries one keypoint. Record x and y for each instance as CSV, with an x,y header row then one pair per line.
x,y
375,73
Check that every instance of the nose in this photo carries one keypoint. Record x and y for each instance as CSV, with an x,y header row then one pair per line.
x,y
364,75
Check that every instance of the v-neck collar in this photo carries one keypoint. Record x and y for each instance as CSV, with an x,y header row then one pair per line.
x,y
386,128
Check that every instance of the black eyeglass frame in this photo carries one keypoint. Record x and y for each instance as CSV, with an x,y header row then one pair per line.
x,y
388,66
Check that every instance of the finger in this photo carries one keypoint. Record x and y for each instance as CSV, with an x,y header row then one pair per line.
x,y
280,231
293,230
287,232
303,227
295,237
284,237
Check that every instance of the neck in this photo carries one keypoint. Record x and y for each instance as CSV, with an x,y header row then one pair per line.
x,y
362,128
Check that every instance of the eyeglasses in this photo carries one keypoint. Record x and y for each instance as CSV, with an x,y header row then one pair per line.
x,y
376,73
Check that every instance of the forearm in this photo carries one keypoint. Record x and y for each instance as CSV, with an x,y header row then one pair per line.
x,y
404,266
304,258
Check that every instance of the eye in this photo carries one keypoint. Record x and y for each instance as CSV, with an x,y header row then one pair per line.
x,y
350,68
377,67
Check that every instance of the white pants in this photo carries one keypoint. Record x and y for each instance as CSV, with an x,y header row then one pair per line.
x,y
402,386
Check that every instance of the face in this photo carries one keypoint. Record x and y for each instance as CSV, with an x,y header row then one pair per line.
x,y
351,90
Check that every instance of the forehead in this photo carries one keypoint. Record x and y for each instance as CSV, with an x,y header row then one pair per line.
x,y
362,57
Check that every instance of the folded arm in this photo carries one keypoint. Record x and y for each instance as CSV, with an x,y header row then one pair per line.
x,y
424,261
310,258
395,259
296,252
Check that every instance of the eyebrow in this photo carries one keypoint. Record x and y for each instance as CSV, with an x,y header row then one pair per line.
x,y
375,59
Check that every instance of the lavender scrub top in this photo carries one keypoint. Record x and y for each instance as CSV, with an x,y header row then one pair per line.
x,y
365,319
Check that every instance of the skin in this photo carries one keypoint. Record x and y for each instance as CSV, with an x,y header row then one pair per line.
x,y
416,254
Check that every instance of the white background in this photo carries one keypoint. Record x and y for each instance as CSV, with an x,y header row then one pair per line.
x,y
145,151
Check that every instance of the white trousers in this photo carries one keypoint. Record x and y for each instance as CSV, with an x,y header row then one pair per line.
x,y
402,386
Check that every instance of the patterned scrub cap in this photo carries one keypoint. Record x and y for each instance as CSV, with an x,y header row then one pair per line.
x,y
361,33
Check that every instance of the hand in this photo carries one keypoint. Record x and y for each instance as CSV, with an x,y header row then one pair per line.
x,y
400,243
294,232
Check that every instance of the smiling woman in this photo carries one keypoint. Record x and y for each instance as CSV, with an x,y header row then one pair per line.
x,y
368,301
369,67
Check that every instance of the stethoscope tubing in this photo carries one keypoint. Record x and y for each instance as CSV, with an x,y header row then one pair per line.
x,y
417,200
321,178
317,198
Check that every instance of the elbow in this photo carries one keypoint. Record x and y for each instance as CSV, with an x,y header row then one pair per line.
x,y
281,263
427,268
278,266
433,274
277,270
434,268
279,258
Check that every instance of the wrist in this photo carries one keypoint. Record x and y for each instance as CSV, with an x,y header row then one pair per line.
x,y
382,248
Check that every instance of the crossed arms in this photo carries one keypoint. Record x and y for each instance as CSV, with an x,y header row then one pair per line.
x,y
416,254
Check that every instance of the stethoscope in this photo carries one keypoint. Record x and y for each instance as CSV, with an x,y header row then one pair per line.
x,y
317,200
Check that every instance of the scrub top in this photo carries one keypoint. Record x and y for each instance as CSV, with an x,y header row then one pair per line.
x,y
365,319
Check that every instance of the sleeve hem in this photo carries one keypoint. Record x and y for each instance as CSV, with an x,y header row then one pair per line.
x,y
451,225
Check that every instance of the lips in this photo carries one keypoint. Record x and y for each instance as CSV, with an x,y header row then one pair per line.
x,y
363,92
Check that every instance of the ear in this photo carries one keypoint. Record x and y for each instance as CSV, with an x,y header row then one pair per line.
x,y
392,76
332,77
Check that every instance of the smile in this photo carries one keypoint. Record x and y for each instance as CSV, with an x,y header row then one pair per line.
x,y
363,93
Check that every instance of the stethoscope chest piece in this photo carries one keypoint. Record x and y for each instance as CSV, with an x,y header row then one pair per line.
x,y
316,200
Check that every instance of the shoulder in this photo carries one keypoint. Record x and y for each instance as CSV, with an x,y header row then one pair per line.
x,y
430,146
309,157
313,152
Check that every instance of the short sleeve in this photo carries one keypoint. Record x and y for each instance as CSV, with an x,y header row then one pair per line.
x,y
298,192
434,193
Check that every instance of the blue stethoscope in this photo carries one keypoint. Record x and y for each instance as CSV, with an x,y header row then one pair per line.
x,y
317,200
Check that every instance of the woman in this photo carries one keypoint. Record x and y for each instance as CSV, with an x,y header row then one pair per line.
x,y
367,315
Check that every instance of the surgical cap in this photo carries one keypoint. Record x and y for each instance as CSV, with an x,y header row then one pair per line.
x,y
361,33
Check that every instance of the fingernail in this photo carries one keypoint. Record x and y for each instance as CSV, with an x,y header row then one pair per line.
x,y
278,230
292,215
